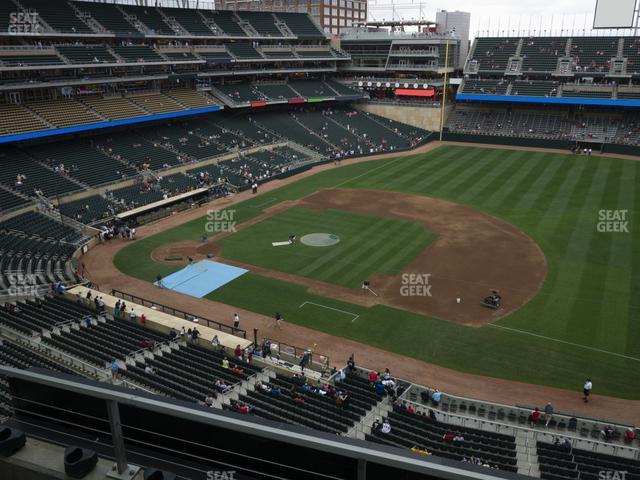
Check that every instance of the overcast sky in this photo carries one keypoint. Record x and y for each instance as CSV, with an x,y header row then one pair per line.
x,y
503,16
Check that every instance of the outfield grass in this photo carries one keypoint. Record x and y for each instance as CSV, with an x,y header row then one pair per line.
x,y
584,322
368,245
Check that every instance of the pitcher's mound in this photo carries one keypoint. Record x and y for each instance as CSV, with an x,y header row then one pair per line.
x,y
320,239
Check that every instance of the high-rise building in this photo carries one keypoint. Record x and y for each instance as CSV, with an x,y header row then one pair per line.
x,y
334,16
458,23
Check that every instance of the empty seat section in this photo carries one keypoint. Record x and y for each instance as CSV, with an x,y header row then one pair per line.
x,y
86,54
58,15
226,21
109,17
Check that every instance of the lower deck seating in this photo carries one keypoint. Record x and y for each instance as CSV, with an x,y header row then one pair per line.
x,y
558,461
17,119
29,60
114,108
19,356
9,200
322,407
64,112
42,226
87,209
535,124
191,98
156,103
411,429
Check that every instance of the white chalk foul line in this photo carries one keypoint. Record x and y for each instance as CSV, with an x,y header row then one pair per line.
x,y
369,172
565,342
355,317
271,200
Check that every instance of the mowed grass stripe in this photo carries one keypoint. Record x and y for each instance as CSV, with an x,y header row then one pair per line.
x,y
411,239
496,180
411,247
360,256
381,172
557,212
343,251
632,347
561,225
431,162
571,267
507,196
592,278
525,198
309,218
423,185
616,287
545,196
468,176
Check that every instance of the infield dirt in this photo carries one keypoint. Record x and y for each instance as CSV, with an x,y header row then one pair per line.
x,y
473,254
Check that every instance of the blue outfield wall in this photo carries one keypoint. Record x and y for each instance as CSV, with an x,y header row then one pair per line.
x,y
601,102
96,126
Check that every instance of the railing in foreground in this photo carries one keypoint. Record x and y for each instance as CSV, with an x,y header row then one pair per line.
x,y
501,418
179,313
317,361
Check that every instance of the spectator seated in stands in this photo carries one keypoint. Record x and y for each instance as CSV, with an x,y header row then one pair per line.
x,y
453,437
383,427
380,389
236,370
420,450
239,407
435,397
534,417
608,433
208,400
629,434
220,385
565,443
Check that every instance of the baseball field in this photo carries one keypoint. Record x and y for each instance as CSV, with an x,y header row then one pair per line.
x,y
554,233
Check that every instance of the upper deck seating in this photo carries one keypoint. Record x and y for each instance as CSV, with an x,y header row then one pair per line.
x,y
87,54
58,15
150,17
109,17
300,25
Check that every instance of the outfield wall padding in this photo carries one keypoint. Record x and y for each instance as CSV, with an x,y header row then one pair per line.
x,y
515,141
621,149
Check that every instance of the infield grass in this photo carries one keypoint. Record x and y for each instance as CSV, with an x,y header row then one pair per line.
x,y
584,322
368,245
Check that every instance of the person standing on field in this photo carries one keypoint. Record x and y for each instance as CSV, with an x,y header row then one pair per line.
x,y
588,386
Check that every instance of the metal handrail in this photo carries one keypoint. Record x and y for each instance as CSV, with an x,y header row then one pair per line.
x,y
447,398
97,371
465,419
179,313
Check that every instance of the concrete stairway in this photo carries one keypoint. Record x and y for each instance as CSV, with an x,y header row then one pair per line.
x,y
527,455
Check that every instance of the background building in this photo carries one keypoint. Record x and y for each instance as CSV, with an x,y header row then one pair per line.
x,y
334,16
460,23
